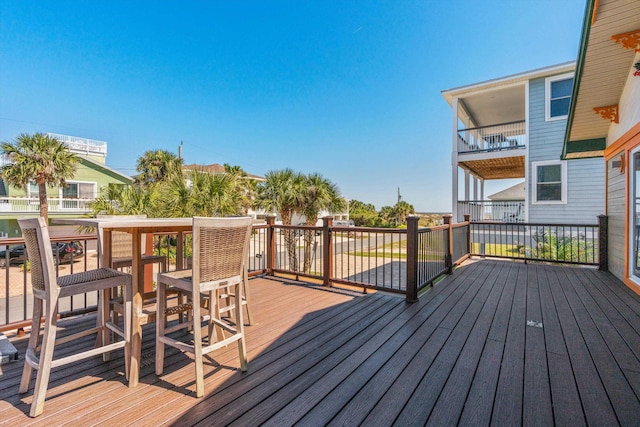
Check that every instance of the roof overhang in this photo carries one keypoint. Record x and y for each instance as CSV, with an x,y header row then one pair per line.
x,y
500,100
601,72
104,167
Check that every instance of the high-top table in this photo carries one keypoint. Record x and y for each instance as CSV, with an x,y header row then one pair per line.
x,y
136,227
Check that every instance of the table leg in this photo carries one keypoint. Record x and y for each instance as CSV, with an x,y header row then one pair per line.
x,y
136,308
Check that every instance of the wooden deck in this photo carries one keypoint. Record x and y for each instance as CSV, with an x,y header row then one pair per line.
x,y
495,343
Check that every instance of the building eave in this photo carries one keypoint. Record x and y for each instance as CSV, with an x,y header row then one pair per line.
x,y
602,69
564,67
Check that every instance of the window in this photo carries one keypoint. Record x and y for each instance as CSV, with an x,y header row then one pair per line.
x,y
558,96
550,179
79,190
32,190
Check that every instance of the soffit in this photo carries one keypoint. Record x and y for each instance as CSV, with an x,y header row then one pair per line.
x,y
501,168
502,105
606,67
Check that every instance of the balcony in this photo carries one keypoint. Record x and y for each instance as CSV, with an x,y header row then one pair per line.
x,y
495,343
505,136
20,205
493,152
492,211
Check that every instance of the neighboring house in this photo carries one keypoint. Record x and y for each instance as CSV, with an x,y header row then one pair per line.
x,y
604,120
91,176
513,127
507,205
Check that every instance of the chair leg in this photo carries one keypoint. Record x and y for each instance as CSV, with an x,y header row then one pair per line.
x,y
211,324
161,304
215,311
197,344
245,289
46,356
27,371
242,350
128,295
103,314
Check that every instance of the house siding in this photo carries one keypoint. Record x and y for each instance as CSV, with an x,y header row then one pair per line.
x,y
616,213
585,177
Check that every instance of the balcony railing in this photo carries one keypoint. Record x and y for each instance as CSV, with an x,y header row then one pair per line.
x,y
492,210
402,261
558,243
505,136
32,205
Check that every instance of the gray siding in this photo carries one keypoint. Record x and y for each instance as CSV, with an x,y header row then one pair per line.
x,y
615,211
585,178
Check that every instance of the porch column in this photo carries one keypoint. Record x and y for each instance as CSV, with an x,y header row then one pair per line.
x,y
481,189
454,158
475,188
466,186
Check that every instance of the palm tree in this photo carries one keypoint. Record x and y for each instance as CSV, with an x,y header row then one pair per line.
x,y
128,200
387,215
208,194
319,194
40,158
158,166
282,193
401,210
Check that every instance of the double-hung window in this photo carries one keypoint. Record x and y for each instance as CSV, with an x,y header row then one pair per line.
x,y
550,182
558,96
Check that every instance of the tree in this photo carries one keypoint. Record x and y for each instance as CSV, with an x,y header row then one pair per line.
x,y
318,194
282,193
208,194
128,200
156,166
388,215
401,210
363,214
39,158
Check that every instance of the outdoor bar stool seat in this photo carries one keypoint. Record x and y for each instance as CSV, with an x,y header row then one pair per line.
x,y
47,290
220,248
229,299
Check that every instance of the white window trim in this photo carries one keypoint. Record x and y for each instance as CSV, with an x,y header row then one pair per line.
x,y
563,177
631,191
95,187
547,96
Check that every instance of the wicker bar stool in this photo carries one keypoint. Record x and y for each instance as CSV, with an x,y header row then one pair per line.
x,y
220,251
47,290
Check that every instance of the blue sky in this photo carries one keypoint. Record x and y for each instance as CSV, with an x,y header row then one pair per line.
x,y
350,89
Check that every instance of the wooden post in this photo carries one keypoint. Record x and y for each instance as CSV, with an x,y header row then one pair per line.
x,y
271,245
603,240
327,250
412,258
148,268
448,244
467,219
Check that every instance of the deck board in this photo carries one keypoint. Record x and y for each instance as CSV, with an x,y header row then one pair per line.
x,y
463,354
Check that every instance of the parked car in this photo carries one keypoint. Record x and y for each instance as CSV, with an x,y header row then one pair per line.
x,y
62,252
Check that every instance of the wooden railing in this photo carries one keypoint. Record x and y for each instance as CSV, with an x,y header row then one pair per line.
x,y
403,261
